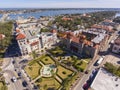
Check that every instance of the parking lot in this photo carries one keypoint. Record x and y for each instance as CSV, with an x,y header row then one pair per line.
x,y
113,58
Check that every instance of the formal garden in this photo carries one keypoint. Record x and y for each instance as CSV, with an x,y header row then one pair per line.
x,y
69,59
46,74
53,70
2,83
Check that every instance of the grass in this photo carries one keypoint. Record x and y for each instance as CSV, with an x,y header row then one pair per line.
x,y
46,60
57,51
2,86
63,72
83,65
80,65
33,70
48,83
87,60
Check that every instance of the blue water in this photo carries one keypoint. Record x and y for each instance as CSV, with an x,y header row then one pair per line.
x,y
118,14
55,12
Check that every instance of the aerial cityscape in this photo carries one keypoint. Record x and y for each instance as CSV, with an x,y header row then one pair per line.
x,y
59,45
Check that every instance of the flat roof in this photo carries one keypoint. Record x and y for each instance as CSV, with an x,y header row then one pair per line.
x,y
105,81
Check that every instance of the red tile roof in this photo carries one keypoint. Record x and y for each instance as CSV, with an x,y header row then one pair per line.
x,y
17,30
107,28
53,31
2,36
96,46
34,43
20,36
117,41
75,39
66,18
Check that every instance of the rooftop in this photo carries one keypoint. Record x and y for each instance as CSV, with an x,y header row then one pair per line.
x,y
20,36
117,41
2,36
105,81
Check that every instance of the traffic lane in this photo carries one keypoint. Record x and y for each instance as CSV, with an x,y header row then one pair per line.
x,y
13,85
22,77
85,77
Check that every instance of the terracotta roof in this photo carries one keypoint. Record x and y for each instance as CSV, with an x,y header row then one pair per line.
x,y
96,46
117,41
17,30
53,31
107,20
2,36
87,42
20,36
75,39
66,18
102,27
34,43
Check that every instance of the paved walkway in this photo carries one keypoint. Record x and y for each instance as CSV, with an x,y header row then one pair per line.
x,y
36,79
58,78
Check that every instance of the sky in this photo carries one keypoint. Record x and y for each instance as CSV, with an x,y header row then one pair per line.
x,y
59,3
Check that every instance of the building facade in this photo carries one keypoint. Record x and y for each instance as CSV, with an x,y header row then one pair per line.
x,y
116,46
30,38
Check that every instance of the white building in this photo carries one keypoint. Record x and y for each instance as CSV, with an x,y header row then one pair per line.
x,y
30,39
105,81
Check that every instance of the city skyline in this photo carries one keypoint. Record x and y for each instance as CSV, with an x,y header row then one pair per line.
x,y
60,4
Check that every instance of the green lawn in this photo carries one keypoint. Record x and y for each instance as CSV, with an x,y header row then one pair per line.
x,y
80,65
57,51
33,70
2,86
63,72
46,60
46,83
87,60
83,65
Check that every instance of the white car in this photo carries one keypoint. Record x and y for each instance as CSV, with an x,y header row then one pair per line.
x,y
14,79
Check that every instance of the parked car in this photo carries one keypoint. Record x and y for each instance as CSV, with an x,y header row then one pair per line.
x,y
19,73
13,79
23,61
13,62
86,72
24,83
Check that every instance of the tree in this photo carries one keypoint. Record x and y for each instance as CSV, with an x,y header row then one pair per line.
x,y
34,54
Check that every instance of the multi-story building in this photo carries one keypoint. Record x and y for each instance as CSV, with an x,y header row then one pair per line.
x,y
84,42
30,38
116,46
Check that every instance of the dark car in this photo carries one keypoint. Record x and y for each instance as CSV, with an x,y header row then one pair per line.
x,y
19,73
85,86
86,72
24,83
23,61
35,87
13,61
